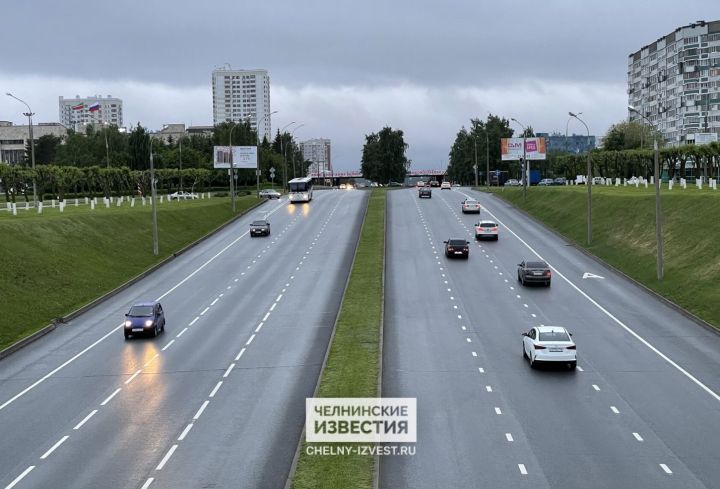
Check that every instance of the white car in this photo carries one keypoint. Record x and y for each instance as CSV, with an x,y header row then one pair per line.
x,y
598,181
182,195
270,193
455,184
445,185
549,344
420,183
486,229
470,205
633,181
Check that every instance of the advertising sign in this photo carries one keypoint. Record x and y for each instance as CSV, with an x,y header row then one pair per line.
x,y
512,148
242,156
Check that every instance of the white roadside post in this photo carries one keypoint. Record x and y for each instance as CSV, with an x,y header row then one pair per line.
x,y
52,203
40,205
14,209
92,205
132,202
27,206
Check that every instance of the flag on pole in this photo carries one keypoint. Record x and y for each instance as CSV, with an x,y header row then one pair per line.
x,y
78,107
94,107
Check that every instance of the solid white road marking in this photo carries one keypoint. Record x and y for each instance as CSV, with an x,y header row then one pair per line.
x,y
147,483
200,411
638,437
168,345
132,377
185,432
239,354
20,477
81,423
215,389
52,449
109,398
166,457
194,320
229,369
614,409
522,468
666,468
509,437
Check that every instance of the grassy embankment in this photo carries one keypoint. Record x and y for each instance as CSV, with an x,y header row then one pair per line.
x,y
354,360
56,262
624,235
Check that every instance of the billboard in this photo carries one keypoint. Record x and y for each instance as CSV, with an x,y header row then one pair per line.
x,y
242,156
512,148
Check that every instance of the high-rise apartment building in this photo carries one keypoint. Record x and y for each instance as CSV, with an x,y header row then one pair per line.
x,y
241,95
675,83
77,112
317,151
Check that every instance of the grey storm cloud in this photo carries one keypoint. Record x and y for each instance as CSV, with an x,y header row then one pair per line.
x,y
347,68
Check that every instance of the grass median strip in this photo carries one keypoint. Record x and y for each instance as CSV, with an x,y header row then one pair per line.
x,y
624,235
354,358
54,263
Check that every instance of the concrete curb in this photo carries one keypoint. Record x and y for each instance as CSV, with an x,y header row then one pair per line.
x,y
63,319
376,471
296,457
698,320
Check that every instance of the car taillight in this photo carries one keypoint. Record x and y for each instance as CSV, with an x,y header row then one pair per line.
x,y
571,347
451,248
539,347
494,229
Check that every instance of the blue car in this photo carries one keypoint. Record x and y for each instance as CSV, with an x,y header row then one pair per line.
x,y
144,318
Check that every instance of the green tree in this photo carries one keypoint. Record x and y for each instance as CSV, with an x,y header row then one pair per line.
x,y
631,135
383,156
139,149
45,149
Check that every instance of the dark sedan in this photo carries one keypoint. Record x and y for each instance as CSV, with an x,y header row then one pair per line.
x,y
457,247
144,318
425,192
260,228
534,272
559,181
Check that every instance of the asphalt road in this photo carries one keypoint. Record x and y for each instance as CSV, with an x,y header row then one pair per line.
x,y
215,401
641,411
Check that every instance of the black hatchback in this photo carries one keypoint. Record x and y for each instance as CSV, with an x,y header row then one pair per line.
x,y
457,248
537,272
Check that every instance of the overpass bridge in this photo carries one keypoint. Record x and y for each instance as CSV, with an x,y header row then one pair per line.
x,y
346,175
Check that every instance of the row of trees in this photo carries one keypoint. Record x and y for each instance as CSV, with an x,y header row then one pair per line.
x,y
79,162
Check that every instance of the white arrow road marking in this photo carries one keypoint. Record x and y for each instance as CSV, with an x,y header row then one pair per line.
x,y
591,275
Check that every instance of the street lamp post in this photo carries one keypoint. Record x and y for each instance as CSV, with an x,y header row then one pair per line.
x,y
257,170
658,209
29,115
292,136
588,181
475,166
232,169
525,166
487,157
282,150
153,205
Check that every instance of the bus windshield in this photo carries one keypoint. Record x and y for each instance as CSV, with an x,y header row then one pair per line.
x,y
298,187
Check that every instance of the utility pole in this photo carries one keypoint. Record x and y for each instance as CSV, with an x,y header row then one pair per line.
x,y
181,174
475,166
588,182
524,167
232,170
487,157
29,115
153,204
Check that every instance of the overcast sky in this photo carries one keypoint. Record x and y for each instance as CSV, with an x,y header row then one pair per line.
x,y
343,68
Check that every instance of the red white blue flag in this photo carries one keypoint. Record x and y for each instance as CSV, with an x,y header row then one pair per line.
x,y
94,107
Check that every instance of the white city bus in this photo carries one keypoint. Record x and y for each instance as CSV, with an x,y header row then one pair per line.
x,y
301,189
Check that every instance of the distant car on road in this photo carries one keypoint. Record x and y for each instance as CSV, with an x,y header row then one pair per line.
x,y
261,227
534,272
394,184
546,182
457,247
549,344
425,192
182,195
420,183
270,194
455,184
559,181
598,180
633,181
470,206
512,183
445,185
434,183
343,186
144,318
486,229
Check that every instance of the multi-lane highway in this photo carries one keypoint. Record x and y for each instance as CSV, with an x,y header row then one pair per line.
x,y
215,401
641,411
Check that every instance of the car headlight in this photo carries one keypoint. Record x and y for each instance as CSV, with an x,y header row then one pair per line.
x,y
128,323
148,322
